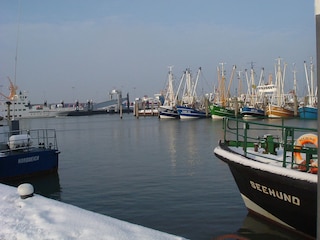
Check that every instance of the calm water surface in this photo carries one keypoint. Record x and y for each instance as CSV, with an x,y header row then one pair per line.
x,y
160,174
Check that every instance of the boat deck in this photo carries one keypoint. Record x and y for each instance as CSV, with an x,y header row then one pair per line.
x,y
284,146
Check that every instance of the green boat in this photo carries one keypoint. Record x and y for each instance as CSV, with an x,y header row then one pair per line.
x,y
218,111
220,106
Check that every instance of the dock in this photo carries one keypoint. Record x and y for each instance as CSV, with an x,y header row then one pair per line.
x,y
38,217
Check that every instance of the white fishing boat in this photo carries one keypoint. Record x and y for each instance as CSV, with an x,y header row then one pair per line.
x,y
168,110
191,106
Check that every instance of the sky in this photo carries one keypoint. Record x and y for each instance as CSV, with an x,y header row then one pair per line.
x,y
40,218
80,49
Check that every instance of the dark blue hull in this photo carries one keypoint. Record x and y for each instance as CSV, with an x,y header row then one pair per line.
x,y
188,112
169,113
252,112
35,161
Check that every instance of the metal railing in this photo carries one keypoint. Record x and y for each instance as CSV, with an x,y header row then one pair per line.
x,y
271,138
28,139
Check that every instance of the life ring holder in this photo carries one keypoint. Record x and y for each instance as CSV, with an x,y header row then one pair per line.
x,y
308,138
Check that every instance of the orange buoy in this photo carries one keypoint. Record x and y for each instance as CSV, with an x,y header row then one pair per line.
x,y
308,138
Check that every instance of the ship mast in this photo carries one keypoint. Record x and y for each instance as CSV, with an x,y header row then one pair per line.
x,y
16,61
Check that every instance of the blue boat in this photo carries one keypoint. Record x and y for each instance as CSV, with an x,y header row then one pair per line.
x,y
308,112
191,107
26,153
251,112
168,112
308,109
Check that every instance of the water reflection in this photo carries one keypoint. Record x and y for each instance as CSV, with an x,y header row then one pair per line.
x,y
46,185
182,142
256,228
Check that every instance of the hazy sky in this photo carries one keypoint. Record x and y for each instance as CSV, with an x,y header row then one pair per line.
x,y
81,49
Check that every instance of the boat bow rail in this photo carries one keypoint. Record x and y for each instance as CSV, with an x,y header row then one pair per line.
x,y
247,136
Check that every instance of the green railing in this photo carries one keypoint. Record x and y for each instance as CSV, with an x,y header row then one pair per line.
x,y
271,138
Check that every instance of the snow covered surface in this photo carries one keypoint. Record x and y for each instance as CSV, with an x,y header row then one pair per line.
x,y
38,217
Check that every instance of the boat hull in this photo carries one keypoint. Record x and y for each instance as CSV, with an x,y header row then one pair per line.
x,y
21,164
251,112
292,204
221,112
168,113
279,112
168,116
308,112
190,113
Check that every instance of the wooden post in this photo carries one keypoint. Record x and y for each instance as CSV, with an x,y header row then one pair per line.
x,y
136,109
236,107
152,111
120,111
144,108
295,105
206,105
120,103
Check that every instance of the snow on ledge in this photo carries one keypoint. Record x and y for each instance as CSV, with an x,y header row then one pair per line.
x,y
38,217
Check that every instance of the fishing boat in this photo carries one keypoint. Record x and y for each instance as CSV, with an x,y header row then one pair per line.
x,y
217,111
191,106
186,112
167,112
309,109
308,112
222,106
281,104
25,153
274,111
275,168
253,103
168,109
248,112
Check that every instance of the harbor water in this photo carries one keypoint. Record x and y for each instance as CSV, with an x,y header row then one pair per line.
x,y
161,174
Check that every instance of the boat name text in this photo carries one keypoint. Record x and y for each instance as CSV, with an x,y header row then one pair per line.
x,y
275,193
28,159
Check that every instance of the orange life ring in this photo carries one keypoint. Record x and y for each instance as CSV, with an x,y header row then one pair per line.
x,y
301,141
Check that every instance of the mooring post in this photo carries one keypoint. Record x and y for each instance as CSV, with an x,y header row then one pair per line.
x,y
136,109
